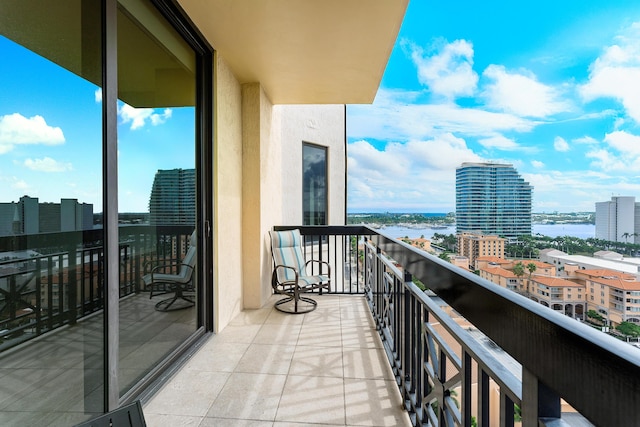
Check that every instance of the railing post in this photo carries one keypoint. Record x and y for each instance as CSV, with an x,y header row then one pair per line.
x,y
73,285
13,297
465,404
378,272
405,337
39,296
538,400
506,410
483,398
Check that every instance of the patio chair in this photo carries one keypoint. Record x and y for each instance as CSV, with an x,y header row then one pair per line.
x,y
177,284
290,275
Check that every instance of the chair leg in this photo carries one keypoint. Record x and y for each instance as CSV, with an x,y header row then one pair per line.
x,y
166,304
280,305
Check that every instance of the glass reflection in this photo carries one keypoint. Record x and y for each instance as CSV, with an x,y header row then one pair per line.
x,y
314,186
51,325
157,192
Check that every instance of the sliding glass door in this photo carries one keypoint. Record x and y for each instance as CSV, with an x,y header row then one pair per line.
x,y
102,130
157,189
51,191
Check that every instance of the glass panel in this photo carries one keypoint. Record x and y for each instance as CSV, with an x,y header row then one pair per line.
x,y
314,186
50,198
157,193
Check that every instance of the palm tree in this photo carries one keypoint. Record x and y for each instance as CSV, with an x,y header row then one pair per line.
x,y
531,267
518,269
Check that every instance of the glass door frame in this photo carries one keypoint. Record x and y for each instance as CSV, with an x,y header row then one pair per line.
x,y
204,191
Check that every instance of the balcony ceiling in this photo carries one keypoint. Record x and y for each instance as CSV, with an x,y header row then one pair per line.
x,y
303,52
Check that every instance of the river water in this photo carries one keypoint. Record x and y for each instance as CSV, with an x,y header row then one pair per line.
x,y
582,231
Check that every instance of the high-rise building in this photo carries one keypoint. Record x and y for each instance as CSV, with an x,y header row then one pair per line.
x,y
492,198
618,220
173,197
30,216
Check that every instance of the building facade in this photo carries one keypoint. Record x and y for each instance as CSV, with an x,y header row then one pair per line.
x,y
501,276
612,294
617,220
492,198
29,216
474,246
173,198
564,296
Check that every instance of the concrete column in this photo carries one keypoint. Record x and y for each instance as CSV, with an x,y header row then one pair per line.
x,y
261,193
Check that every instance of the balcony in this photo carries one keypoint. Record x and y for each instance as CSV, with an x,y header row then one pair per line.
x,y
377,351
326,367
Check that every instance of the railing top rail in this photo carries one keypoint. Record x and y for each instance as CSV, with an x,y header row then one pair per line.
x,y
338,230
28,241
525,329
507,381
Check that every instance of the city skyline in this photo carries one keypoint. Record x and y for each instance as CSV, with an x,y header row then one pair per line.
x,y
551,88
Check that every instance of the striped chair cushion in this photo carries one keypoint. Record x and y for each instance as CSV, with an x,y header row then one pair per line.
x,y
287,250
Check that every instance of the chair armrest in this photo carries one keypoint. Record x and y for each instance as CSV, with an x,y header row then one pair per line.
x,y
320,262
274,275
149,265
163,266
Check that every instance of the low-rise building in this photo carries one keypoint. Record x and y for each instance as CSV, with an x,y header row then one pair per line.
x,y
474,245
542,268
459,261
502,277
614,295
565,296
565,263
486,261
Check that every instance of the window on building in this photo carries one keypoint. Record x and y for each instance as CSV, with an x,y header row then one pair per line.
x,y
314,184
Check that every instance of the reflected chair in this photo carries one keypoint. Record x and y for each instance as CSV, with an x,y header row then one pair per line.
x,y
290,275
177,284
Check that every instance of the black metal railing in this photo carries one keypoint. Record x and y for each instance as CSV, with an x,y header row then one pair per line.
x,y
49,280
468,348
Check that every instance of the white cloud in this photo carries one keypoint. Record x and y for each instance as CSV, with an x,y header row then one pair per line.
x,y
47,164
605,160
622,154
20,184
16,129
500,142
624,142
415,175
585,140
157,119
521,94
139,116
392,118
98,95
576,196
449,71
560,144
616,72
537,164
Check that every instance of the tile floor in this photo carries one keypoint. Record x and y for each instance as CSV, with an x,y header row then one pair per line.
x,y
267,368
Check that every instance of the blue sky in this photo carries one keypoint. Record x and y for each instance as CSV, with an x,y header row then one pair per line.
x,y
51,137
550,87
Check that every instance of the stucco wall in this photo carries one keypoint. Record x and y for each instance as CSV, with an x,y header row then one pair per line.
x,y
258,183
228,195
262,201
321,125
